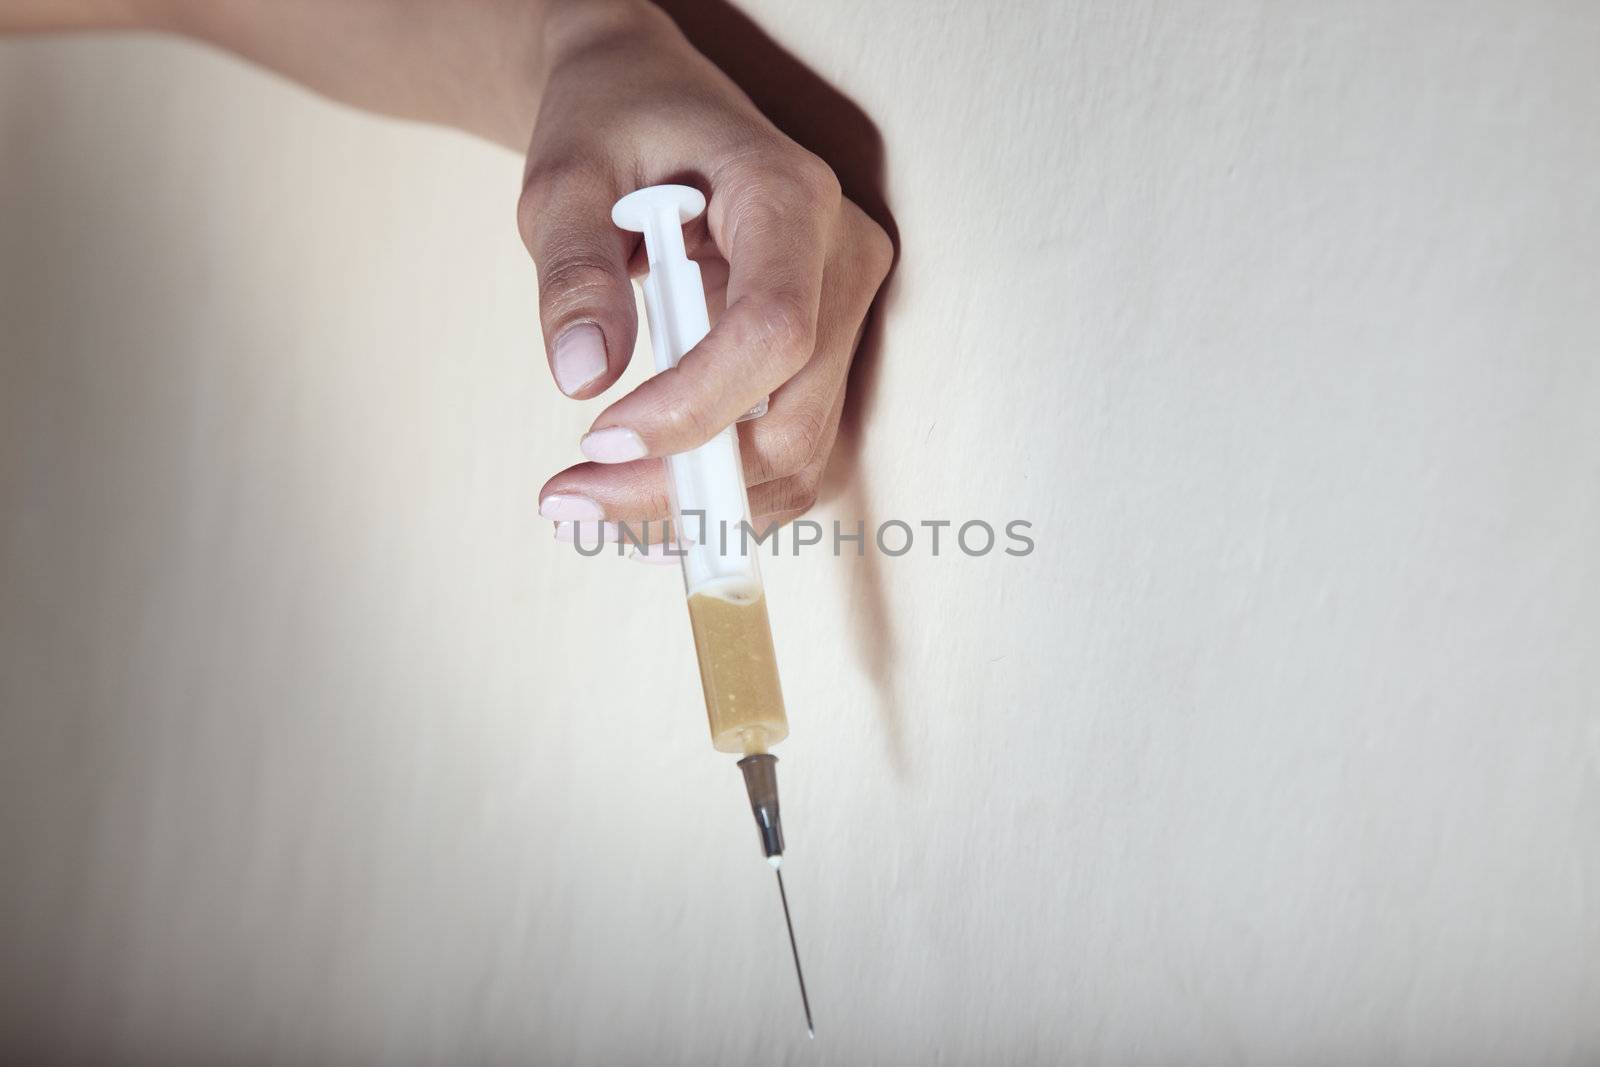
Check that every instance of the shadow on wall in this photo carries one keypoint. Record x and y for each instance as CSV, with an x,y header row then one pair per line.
x,y
825,121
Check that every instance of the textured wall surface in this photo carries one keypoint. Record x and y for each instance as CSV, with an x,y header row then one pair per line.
x,y
1281,322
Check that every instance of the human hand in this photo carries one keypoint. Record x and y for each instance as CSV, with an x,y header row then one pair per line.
x,y
790,266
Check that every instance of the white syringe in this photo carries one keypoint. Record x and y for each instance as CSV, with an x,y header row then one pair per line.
x,y
711,518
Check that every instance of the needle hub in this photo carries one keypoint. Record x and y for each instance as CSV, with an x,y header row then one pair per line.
x,y
761,783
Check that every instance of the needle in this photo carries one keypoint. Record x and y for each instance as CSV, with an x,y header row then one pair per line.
x,y
805,1001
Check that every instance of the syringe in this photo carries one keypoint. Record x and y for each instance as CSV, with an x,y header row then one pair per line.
x,y
727,604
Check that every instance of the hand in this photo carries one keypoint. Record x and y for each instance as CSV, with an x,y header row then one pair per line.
x,y
790,266
623,101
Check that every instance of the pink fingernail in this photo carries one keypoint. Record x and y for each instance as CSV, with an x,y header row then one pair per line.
x,y
588,533
579,357
614,444
569,507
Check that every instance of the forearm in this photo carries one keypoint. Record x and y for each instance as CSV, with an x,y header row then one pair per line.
x,y
479,65
26,15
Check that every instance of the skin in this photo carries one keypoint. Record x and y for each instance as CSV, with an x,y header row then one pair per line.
x,y
605,96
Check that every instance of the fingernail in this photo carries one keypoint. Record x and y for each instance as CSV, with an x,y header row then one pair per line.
x,y
589,533
657,553
569,507
614,444
579,357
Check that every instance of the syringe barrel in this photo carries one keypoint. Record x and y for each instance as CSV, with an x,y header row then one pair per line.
x,y
710,508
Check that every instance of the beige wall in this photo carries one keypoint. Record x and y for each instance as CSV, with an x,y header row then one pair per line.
x,y
1279,322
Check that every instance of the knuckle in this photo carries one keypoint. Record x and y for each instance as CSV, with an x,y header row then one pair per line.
x,y
808,483
683,420
800,491
789,327
556,172
574,278
783,181
539,188
803,432
879,252
816,178
785,445
527,214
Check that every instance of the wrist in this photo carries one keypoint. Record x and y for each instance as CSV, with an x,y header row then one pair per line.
x,y
575,26
527,40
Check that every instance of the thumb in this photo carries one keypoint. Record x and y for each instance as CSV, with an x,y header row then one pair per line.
x,y
586,307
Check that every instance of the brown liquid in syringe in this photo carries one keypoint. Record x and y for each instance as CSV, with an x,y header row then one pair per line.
x,y
738,670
